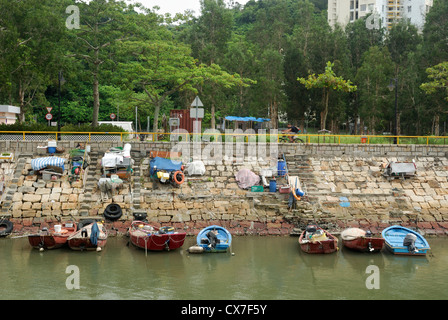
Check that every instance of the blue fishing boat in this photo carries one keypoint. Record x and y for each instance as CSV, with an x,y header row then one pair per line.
x,y
214,239
404,241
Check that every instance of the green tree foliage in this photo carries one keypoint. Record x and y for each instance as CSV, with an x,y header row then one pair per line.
x,y
328,82
126,56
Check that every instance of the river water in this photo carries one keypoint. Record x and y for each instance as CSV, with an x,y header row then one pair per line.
x,y
261,268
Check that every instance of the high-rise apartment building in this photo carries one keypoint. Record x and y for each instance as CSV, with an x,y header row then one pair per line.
x,y
387,12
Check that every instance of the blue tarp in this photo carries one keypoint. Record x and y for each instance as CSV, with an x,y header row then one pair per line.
x,y
164,164
232,118
41,163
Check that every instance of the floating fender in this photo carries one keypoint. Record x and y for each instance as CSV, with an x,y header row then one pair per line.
x,y
113,211
196,249
6,227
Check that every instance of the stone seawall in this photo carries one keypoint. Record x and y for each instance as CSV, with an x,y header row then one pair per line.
x,y
343,184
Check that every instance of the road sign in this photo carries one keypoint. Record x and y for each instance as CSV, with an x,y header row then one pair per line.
x,y
200,112
113,116
49,109
48,116
197,102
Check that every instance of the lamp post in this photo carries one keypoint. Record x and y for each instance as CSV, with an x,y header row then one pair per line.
x,y
391,87
61,81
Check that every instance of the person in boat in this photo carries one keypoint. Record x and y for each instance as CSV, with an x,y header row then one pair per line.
x,y
213,238
291,129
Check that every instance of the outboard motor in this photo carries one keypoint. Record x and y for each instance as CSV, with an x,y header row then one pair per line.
x,y
409,241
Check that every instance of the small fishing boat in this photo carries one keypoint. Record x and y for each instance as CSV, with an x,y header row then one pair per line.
x,y
148,237
404,241
317,240
90,237
214,239
361,240
54,237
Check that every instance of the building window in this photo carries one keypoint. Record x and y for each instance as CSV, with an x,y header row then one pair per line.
x,y
409,8
363,7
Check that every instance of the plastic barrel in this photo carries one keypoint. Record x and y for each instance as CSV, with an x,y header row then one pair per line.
x,y
273,186
300,193
281,168
51,149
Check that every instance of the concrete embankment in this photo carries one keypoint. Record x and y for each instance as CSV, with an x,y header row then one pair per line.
x,y
343,184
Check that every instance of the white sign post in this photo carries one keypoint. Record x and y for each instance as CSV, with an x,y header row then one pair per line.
x,y
196,128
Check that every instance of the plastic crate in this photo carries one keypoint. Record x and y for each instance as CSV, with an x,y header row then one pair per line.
x,y
257,189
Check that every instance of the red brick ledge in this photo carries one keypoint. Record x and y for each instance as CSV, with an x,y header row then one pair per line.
x,y
25,226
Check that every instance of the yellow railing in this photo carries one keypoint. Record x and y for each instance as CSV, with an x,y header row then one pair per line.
x,y
247,137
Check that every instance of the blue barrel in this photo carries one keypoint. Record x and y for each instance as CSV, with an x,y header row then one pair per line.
x,y
51,149
273,186
281,168
300,193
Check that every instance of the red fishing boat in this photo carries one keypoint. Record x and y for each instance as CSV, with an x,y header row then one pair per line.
x,y
54,237
90,237
317,240
360,240
148,237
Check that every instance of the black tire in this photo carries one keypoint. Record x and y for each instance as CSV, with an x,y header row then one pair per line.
x,y
113,211
84,223
7,225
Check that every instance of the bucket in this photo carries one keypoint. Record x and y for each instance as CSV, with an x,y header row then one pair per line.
x,y
273,185
363,139
51,149
300,193
281,168
57,228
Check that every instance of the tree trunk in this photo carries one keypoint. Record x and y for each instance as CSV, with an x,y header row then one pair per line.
x,y
436,125
274,114
96,101
324,113
213,120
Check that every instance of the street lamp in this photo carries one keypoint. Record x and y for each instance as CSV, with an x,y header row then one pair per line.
x,y
61,81
391,87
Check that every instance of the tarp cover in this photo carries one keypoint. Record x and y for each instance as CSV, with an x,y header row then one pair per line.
x,y
402,167
42,163
246,178
164,164
232,118
352,233
195,168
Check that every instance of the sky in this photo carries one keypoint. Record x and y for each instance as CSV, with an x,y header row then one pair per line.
x,y
175,6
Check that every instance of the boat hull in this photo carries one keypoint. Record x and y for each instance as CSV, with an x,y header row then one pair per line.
x,y
395,236
223,235
318,247
365,244
82,244
51,239
82,240
155,241
47,241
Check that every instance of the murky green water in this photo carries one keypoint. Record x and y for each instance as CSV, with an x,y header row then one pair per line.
x,y
263,268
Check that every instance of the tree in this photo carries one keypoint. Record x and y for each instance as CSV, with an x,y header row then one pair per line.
x,y
29,52
439,84
372,78
104,23
327,81
161,68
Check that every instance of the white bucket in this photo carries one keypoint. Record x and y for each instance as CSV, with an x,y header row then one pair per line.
x,y
57,228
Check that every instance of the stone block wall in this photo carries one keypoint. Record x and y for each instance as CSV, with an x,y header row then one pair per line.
x,y
333,172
